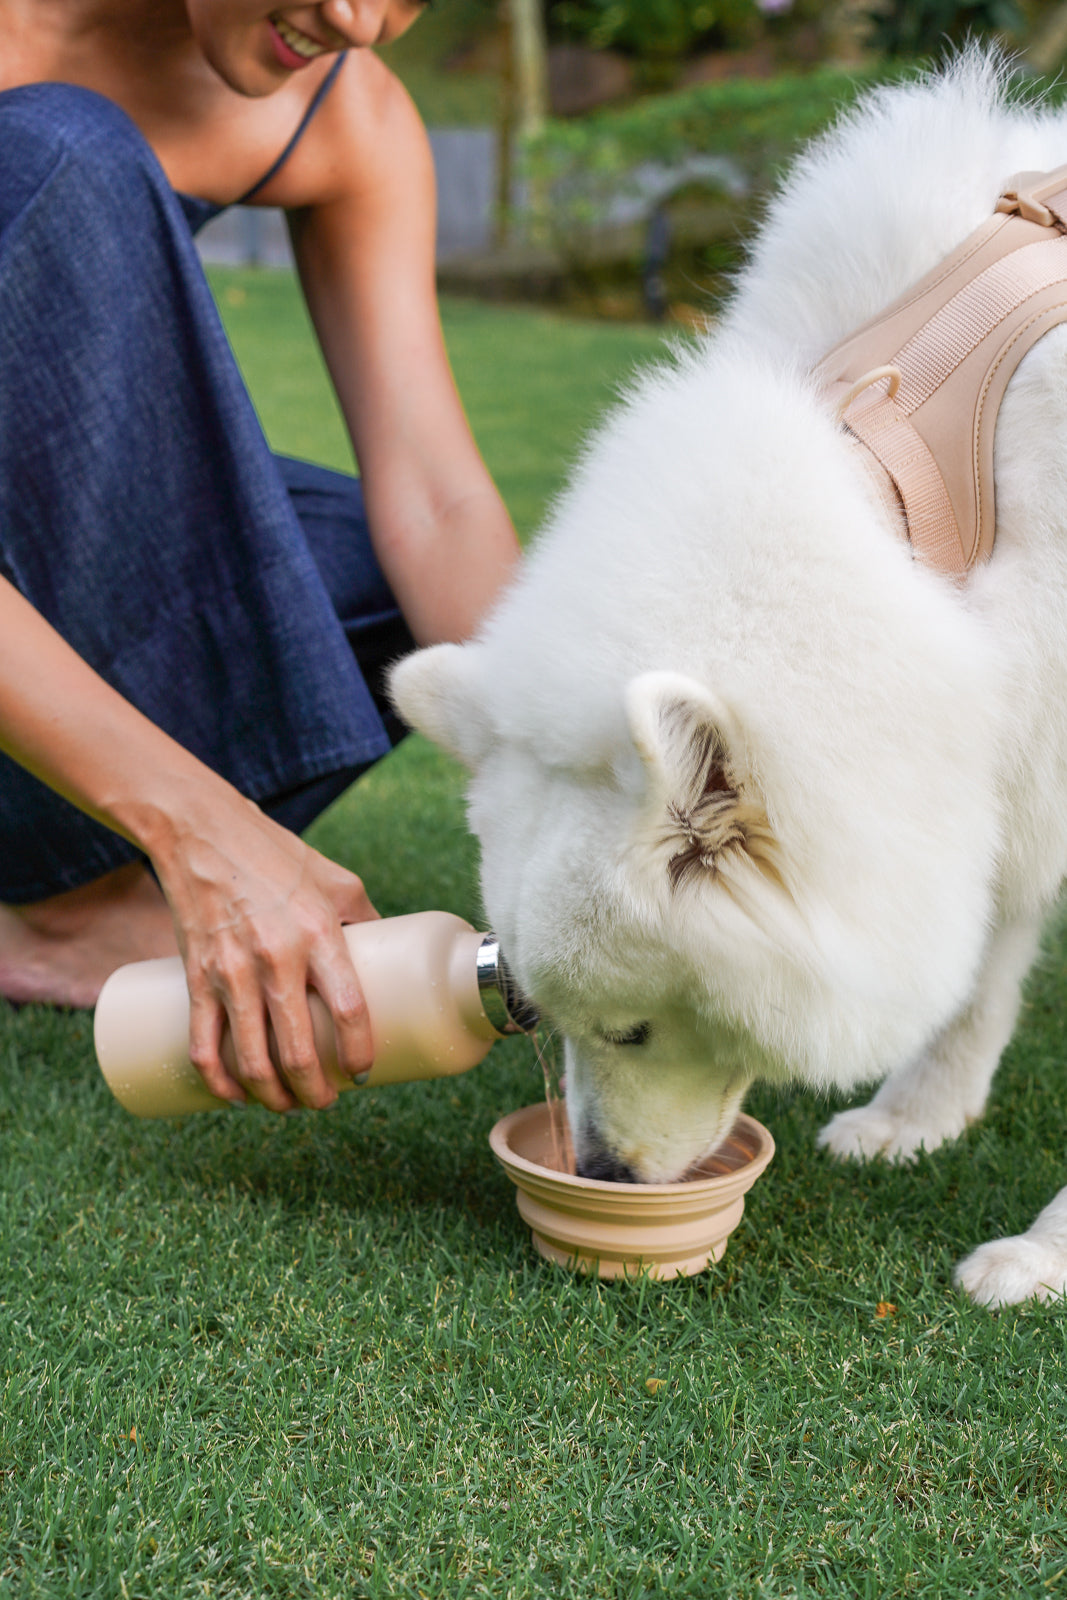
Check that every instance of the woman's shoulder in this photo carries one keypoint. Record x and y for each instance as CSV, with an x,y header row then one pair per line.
x,y
366,135
213,142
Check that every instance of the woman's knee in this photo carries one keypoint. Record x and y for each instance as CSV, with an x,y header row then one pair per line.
x,y
45,124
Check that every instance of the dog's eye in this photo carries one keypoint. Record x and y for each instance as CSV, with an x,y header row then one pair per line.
x,y
637,1035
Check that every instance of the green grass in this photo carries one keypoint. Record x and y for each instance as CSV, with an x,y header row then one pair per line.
x,y
346,1371
532,383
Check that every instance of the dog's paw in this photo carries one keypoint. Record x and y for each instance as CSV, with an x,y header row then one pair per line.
x,y
1007,1271
873,1130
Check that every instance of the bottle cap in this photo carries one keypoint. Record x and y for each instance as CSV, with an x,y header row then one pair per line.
x,y
503,1001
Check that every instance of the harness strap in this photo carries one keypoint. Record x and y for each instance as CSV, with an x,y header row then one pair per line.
x,y
919,387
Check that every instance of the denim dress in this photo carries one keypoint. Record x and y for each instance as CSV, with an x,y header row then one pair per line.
x,y
231,595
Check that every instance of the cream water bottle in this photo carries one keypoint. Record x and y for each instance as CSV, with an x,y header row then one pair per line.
x,y
438,995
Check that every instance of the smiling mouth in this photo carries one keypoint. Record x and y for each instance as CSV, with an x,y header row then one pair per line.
x,y
299,43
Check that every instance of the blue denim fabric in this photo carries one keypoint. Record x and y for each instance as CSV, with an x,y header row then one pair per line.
x,y
232,596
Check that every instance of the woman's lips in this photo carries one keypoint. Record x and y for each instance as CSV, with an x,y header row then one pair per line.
x,y
283,44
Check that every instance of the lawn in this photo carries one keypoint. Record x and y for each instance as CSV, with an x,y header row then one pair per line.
x,y
317,1357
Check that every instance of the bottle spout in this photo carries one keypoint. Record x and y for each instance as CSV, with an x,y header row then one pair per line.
x,y
508,1009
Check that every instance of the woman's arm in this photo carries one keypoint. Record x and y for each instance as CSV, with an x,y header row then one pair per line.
x,y
258,912
365,250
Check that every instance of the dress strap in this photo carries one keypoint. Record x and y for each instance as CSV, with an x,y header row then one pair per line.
x,y
316,100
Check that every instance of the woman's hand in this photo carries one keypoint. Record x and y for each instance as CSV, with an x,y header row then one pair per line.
x,y
259,916
258,913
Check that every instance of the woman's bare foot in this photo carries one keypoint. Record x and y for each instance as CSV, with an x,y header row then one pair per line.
x,y
60,951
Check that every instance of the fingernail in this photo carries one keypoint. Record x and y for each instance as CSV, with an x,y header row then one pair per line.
x,y
361,1077
342,11
237,1105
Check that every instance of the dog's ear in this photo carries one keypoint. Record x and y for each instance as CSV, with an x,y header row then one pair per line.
x,y
438,691
705,815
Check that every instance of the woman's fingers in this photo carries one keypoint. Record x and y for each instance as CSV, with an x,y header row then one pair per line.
x,y
345,892
272,1054
207,1022
333,976
227,998
254,1069
260,919
295,1051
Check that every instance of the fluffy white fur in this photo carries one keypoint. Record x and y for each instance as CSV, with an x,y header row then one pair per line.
x,y
757,795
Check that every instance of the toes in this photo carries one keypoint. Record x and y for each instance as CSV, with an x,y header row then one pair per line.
x,y
1008,1271
868,1131
858,1135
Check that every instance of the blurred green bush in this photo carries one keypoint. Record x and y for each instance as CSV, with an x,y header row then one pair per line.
x,y
922,27
649,29
671,30
756,123
599,180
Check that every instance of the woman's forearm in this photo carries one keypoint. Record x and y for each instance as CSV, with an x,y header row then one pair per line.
x,y
258,913
366,258
446,564
66,725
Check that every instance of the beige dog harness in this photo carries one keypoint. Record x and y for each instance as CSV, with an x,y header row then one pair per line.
x,y
919,387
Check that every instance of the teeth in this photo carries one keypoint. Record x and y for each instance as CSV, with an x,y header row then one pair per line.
x,y
299,42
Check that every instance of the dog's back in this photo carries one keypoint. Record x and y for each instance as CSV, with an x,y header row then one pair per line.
x,y
870,208
878,201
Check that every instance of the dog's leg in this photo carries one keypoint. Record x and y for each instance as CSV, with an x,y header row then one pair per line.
x,y
935,1097
1028,1266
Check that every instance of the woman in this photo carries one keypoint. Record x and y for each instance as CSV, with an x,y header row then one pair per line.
x,y
188,626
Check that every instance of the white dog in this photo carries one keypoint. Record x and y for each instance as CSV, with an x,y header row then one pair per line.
x,y
758,795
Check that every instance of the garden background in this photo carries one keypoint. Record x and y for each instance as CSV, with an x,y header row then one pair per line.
x,y
316,1356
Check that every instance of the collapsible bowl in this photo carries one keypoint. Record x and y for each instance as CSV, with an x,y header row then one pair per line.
x,y
621,1229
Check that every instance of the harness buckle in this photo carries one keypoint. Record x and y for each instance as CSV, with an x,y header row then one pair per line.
x,y
876,375
1019,200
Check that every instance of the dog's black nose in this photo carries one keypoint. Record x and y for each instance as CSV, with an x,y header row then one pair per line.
x,y
608,1168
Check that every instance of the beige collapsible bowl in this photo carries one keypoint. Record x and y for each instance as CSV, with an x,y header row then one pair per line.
x,y
618,1229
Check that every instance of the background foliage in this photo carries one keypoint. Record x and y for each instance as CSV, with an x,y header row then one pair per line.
x,y
651,29
922,27
654,28
758,123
